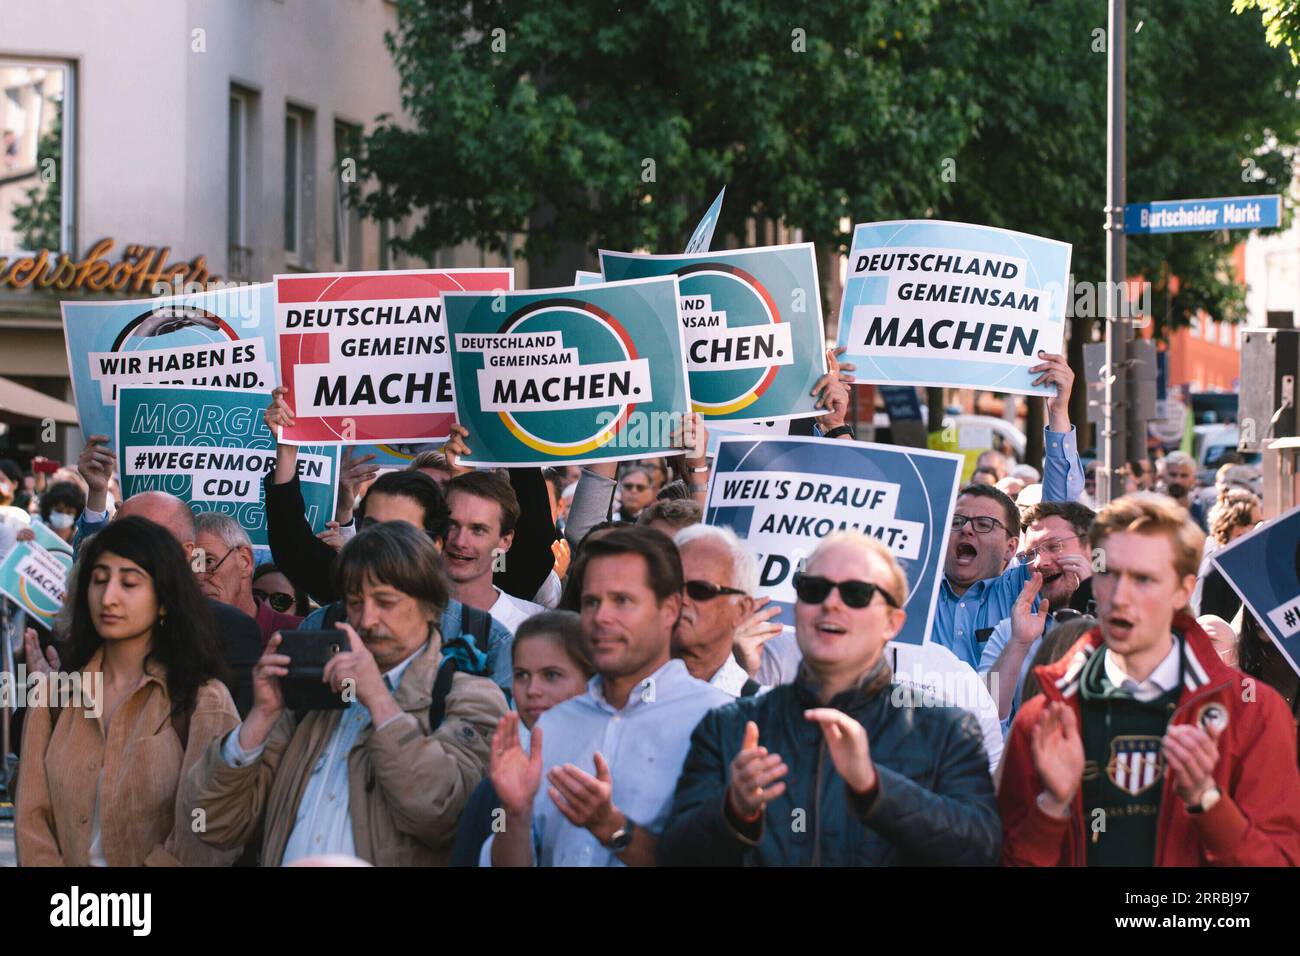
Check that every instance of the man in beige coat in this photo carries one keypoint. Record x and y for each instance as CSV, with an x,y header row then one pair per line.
x,y
372,781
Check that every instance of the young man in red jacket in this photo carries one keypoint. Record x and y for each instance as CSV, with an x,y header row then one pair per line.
x,y
1144,748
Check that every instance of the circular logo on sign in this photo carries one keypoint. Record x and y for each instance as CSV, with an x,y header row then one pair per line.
x,y
198,325
736,300
598,338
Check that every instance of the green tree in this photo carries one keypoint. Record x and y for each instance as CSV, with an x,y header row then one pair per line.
x,y
1281,22
615,125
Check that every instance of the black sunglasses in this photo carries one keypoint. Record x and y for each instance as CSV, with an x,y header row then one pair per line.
x,y
278,600
811,589
705,591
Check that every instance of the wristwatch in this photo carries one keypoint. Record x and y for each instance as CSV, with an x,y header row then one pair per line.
x,y
698,469
1208,799
840,430
622,838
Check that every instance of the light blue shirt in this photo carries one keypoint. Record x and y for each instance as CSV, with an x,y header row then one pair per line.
x,y
324,821
993,650
645,745
958,618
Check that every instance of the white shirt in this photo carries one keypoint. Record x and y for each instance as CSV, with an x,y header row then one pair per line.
x,y
512,611
1162,680
954,682
730,677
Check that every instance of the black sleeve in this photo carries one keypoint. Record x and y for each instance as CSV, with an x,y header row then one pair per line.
x,y
306,560
956,823
475,825
1217,595
241,646
530,559
698,832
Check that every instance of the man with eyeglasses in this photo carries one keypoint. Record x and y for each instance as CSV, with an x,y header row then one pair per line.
x,y
226,572
721,576
978,587
869,777
1057,553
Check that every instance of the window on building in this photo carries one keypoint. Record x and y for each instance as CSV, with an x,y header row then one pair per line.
x,y
347,223
299,153
1225,334
37,165
1194,326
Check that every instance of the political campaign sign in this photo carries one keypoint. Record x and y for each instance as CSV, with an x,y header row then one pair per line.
x,y
224,337
364,354
938,303
752,324
587,278
759,429
36,579
1263,567
47,539
587,373
702,237
783,495
210,447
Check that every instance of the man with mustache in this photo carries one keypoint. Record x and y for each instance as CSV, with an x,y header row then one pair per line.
x,y
382,779
978,588
1144,748
1056,551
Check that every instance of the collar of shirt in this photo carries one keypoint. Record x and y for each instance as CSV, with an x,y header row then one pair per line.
x,y
1161,680
393,676
730,677
648,691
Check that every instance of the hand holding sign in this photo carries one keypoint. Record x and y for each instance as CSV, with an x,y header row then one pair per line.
x,y
455,449
277,414
1055,370
96,465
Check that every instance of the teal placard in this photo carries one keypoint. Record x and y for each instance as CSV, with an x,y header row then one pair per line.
x,y
563,376
751,326
211,448
36,579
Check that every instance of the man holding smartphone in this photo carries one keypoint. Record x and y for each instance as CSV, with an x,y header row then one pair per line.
x,y
381,779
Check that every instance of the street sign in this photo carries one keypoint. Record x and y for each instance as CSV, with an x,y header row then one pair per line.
x,y
1203,215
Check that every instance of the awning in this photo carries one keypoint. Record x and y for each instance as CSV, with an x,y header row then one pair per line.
x,y
20,404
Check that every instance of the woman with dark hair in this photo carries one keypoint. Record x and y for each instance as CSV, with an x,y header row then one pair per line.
x,y
1258,657
101,770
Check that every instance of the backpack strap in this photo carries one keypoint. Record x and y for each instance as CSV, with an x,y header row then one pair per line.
x,y
441,691
479,623
751,687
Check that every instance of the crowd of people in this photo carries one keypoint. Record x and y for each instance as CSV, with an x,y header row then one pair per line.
x,y
566,667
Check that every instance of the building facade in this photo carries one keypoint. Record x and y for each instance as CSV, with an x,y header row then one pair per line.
x,y
198,139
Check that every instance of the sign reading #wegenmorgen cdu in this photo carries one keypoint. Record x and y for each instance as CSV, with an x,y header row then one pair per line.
x,y
587,373
950,304
1263,567
783,495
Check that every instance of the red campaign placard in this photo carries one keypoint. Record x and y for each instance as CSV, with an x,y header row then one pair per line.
x,y
365,355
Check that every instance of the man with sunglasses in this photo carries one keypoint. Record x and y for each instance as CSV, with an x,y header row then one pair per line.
x,y
978,587
636,492
721,576
1057,552
838,768
226,571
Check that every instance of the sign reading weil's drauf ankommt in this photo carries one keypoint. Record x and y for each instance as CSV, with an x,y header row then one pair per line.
x,y
950,304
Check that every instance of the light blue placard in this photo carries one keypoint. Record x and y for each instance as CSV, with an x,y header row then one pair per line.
x,y
223,338
950,304
211,448
36,579
702,238
783,495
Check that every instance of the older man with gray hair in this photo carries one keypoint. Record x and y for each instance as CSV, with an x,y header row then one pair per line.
x,y
224,563
720,577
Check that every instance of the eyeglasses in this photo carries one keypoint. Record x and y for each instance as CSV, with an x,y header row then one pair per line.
x,y
1052,547
278,600
982,523
707,591
628,487
209,567
811,589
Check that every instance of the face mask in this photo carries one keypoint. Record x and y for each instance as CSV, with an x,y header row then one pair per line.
x,y
60,521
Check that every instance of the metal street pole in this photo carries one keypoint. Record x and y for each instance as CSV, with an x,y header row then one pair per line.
x,y
1110,483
